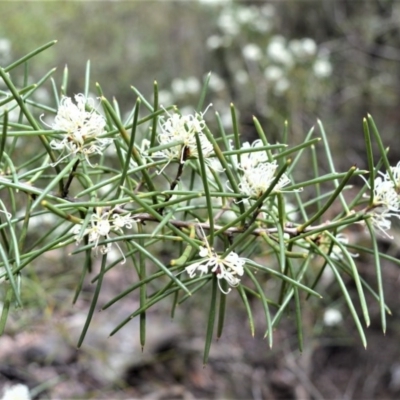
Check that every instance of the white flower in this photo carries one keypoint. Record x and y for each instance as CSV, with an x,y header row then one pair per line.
x,y
322,68
251,159
227,22
281,86
257,180
396,175
277,51
303,48
332,317
273,73
380,218
385,194
81,128
121,221
216,83
228,268
101,225
178,87
179,128
252,52
214,42
165,97
241,76
386,203
193,85
246,15
16,392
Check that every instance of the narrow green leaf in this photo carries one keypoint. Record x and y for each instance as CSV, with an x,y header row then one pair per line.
x,y
94,301
203,93
345,294
211,319
6,308
221,309
29,56
10,275
331,164
378,273
248,308
382,149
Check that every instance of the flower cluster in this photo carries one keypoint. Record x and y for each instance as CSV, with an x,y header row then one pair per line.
x,y
386,200
101,225
183,129
82,128
228,268
258,172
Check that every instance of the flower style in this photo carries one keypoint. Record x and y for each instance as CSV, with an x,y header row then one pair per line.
x,y
101,225
257,180
251,159
81,128
385,194
179,128
396,176
386,201
380,219
228,268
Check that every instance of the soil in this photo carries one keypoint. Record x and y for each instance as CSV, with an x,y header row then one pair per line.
x,y
39,350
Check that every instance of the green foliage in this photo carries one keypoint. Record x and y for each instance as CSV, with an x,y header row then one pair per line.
x,y
232,216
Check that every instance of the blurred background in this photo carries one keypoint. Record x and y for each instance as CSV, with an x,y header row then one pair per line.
x,y
285,60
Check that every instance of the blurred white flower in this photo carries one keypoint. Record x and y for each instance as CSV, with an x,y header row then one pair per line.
x,y
229,268
227,22
252,52
277,51
216,83
309,46
322,68
241,76
303,48
273,73
165,97
246,15
5,50
5,45
41,95
215,41
178,87
193,85
267,10
332,317
213,2
16,392
292,212
181,87
281,86
81,128
262,25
